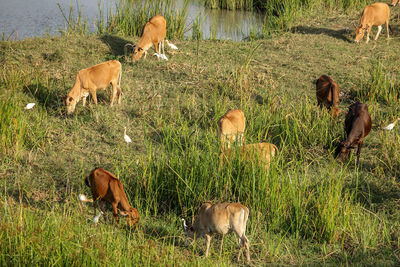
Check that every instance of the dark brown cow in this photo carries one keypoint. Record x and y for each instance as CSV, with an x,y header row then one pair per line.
x,y
108,188
328,94
357,126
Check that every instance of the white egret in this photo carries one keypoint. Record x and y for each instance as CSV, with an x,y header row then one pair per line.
x,y
163,57
127,138
30,105
97,218
83,198
391,126
172,46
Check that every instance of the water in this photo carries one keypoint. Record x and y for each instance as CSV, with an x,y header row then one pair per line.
x,y
20,19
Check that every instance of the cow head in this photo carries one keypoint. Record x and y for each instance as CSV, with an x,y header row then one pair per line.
x,y
133,217
137,53
359,33
343,150
70,103
395,2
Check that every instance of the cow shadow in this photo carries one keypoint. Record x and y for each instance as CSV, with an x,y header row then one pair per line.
x,y
117,45
342,34
46,97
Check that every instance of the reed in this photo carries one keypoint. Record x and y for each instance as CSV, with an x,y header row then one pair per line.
x,y
130,17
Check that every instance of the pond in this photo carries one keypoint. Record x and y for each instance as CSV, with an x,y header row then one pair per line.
x,y
20,19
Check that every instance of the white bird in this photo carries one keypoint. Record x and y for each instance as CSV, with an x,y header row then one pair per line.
x,y
184,224
172,46
97,218
157,55
30,105
164,57
127,138
390,126
83,198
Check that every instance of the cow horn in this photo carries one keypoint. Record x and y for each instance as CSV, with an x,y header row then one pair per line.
x,y
184,224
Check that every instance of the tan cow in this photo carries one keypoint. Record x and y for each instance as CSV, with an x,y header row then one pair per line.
x,y
328,94
108,188
231,127
95,78
154,33
373,15
221,219
395,2
262,153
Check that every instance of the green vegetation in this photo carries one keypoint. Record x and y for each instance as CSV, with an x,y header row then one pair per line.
x,y
307,209
282,15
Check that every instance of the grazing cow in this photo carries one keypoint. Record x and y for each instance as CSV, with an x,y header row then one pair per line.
x,y
231,127
328,94
221,218
95,78
108,188
154,33
373,15
357,126
261,152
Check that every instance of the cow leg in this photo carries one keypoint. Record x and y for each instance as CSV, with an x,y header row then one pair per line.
x,y
115,211
247,247
84,100
113,92
119,93
103,209
387,29
156,47
145,54
163,46
368,32
94,96
359,151
379,32
208,237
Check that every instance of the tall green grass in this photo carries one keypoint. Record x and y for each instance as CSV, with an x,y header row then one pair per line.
x,y
230,4
130,16
74,19
282,14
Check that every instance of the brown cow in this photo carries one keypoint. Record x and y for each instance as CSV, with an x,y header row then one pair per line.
x,y
231,127
221,218
373,15
357,126
328,94
154,33
108,188
261,152
95,78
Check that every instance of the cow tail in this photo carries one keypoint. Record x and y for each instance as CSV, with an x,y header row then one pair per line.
x,y
120,75
276,149
87,183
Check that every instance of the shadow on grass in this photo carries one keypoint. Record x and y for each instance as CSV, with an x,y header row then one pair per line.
x,y
46,97
116,45
338,34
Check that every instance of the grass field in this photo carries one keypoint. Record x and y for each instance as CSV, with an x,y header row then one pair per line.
x,y
308,209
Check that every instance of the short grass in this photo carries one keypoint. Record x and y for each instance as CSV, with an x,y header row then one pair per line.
x,y
308,209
